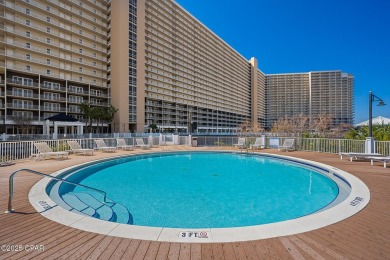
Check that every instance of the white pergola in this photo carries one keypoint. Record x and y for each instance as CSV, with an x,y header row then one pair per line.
x,y
46,127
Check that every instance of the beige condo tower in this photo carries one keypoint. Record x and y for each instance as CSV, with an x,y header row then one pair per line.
x,y
168,69
53,57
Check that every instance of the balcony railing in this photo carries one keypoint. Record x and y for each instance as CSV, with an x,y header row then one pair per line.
x,y
55,75
22,106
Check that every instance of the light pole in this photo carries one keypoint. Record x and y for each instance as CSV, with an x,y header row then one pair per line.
x,y
370,139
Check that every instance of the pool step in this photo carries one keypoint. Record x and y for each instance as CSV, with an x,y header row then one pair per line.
x,y
111,211
103,211
77,205
122,215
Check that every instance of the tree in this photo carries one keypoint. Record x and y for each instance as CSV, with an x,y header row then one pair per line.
x,y
96,114
283,125
249,126
154,128
321,124
105,114
109,113
299,124
87,114
23,123
379,132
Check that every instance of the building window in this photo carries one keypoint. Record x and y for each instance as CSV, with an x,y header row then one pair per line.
x,y
94,72
94,37
80,31
28,57
28,45
28,22
80,78
94,28
80,69
48,19
80,13
80,3
94,63
27,11
48,51
80,50
28,67
48,40
48,8
28,34
48,30
48,61
94,55
94,46
48,72
80,41
80,59
80,22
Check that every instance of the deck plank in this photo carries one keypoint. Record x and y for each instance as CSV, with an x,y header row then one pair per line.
x,y
174,251
96,253
163,251
131,249
152,250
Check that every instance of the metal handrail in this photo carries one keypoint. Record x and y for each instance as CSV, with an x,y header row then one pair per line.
x,y
11,186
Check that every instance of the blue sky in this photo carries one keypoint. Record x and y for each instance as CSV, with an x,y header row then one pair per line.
x,y
309,35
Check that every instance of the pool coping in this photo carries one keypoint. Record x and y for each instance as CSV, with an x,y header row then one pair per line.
x,y
356,201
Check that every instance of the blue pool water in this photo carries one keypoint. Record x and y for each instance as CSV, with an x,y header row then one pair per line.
x,y
208,189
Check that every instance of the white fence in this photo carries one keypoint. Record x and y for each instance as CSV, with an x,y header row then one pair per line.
x,y
19,150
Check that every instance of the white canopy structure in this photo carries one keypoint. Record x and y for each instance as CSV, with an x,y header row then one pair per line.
x,y
379,120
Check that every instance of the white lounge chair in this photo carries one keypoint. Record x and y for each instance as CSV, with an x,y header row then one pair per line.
x,y
44,150
357,156
121,144
385,160
140,143
240,143
101,145
75,147
288,144
259,143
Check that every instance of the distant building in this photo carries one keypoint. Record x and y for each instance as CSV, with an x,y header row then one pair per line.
x,y
311,94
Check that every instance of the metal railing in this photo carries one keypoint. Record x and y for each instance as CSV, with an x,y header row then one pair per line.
x,y
21,147
11,186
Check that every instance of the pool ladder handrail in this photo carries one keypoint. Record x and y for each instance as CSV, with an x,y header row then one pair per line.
x,y
11,186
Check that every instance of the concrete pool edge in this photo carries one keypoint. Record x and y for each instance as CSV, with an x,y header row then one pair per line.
x,y
48,208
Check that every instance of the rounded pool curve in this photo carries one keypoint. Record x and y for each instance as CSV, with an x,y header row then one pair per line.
x,y
207,192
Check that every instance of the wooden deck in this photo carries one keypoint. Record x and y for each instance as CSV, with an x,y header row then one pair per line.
x,y
365,235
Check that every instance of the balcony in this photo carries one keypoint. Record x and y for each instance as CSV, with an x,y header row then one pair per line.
x,y
53,98
55,88
22,106
53,108
22,83
11,93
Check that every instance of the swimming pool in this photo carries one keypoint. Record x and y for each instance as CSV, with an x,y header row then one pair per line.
x,y
206,191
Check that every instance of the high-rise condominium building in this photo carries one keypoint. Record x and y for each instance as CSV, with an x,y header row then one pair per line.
x,y
53,57
312,94
152,60
168,69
